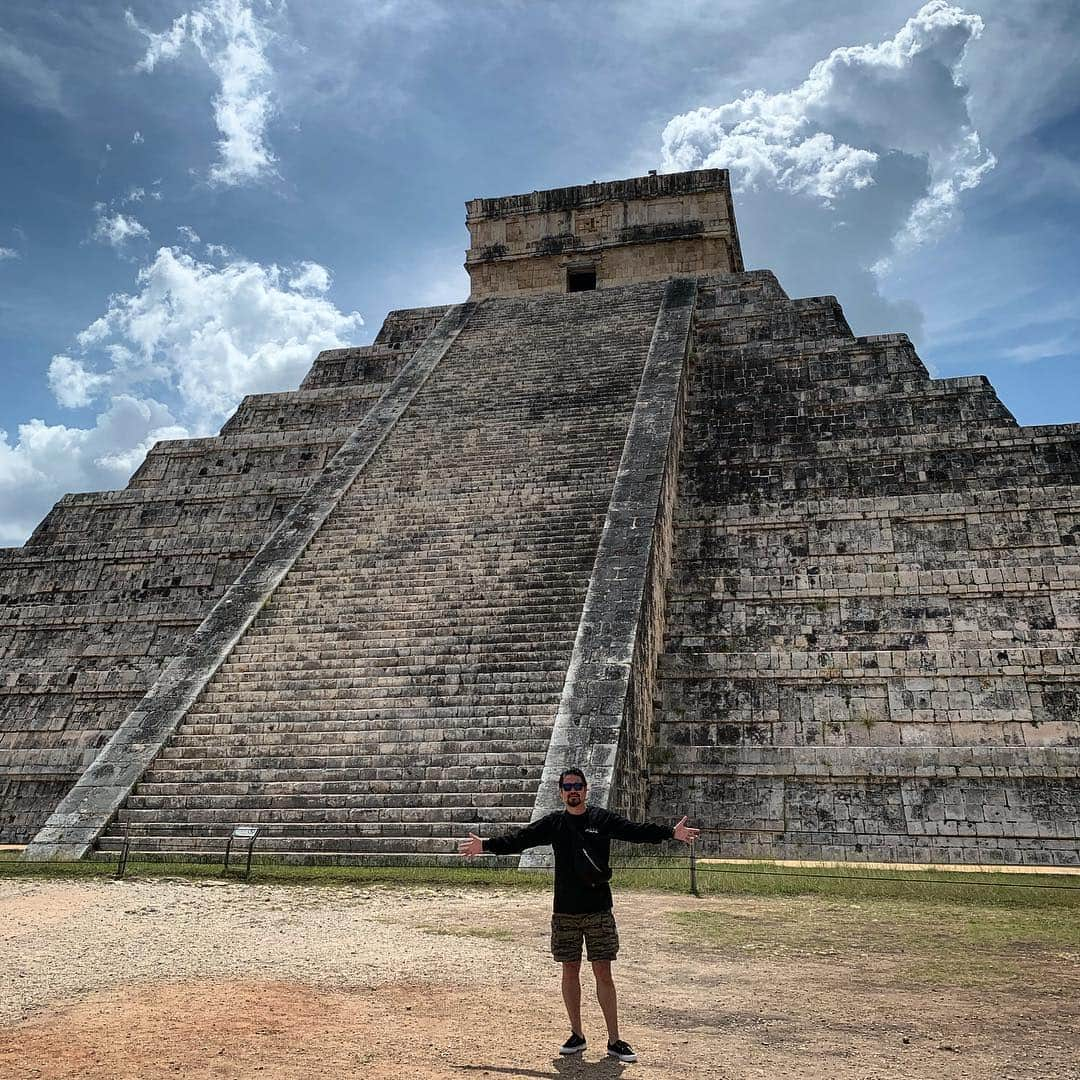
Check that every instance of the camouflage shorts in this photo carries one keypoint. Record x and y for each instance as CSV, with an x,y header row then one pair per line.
x,y
598,930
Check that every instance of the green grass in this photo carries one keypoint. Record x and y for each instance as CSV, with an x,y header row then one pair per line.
x,y
267,873
966,945
1006,891
770,880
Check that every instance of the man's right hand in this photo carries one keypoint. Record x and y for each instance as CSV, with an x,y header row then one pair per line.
x,y
473,846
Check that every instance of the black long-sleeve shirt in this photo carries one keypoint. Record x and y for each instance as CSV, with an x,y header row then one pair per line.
x,y
593,830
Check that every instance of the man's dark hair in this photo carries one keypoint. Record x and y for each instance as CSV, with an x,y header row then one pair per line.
x,y
572,772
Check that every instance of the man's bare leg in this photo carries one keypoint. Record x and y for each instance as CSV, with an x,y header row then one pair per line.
x,y
605,994
571,994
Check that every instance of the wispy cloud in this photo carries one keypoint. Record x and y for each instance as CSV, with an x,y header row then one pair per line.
x,y
233,42
28,75
1032,352
163,46
8,253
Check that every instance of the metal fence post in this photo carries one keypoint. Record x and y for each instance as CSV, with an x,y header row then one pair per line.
x,y
125,850
693,870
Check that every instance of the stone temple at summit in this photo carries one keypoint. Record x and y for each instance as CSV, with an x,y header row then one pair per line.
x,y
629,507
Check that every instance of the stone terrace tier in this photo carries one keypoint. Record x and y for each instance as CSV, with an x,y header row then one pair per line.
x,y
400,686
112,584
872,619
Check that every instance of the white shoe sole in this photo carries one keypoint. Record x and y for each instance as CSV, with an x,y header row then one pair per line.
x,y
628,1058
576,1050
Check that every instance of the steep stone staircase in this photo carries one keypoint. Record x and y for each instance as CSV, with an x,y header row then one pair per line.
x,y
400,686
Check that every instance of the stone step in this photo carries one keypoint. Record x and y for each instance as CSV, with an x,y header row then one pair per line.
x,y
235,679
510,578
402,703
213,852
215,752
488,621
400,767
434,665
300,823
394,709
449,658
257,807
426,729
347,646
281,629
305,847
459,790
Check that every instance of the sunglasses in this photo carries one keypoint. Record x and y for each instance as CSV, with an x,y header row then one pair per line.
x,y
573,787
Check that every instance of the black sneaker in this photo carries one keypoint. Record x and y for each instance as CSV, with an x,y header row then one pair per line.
x,y
574,1045
621,1050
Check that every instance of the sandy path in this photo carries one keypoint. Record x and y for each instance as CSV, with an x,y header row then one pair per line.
x,y
163,979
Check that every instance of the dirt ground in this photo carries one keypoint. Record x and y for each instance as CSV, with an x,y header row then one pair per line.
x,y
151,979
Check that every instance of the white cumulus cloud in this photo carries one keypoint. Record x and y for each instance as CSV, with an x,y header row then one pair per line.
x,y
232,40
72,385
8,253
46,460
214,333
137,138
171,359
116,229
310,277
841,129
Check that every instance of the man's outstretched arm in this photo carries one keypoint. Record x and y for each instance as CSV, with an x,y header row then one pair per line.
x,y
509,843
644,832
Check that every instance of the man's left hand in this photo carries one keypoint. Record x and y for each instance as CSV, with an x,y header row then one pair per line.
x,y
685,833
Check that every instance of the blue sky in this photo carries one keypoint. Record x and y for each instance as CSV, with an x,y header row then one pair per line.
x,y
198,196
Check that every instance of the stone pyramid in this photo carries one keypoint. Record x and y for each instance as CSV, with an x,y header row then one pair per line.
x,y
628,507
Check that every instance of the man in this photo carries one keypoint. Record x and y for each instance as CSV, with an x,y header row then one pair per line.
x,y
581,836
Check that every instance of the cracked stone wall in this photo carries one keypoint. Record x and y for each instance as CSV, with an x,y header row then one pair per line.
x,y
871,646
